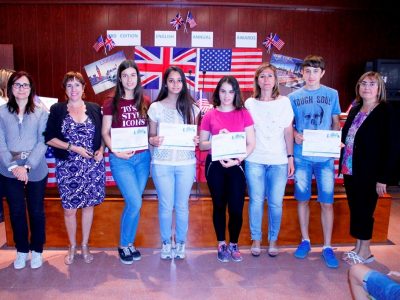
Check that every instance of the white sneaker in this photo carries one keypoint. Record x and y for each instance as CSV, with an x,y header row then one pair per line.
x,y
20,261
166,251
180,251
36,260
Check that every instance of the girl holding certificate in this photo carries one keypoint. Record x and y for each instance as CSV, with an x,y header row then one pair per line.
x,y
130,169
173,170
225,178
268,167
74,132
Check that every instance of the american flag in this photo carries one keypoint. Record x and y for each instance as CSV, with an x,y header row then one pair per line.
x,y
190,20
277,42
109,43
213,64
51,163
177,21
99,43
153,61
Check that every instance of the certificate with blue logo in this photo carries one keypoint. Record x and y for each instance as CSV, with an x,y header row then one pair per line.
x,y
325,143
177,136
228,145
129,139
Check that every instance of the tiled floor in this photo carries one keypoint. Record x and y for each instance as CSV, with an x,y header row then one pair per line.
x,y
200,276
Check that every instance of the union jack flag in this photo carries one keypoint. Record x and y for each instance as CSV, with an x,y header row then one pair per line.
x,y
268,42
177,21
99,43
215,63
153,61
109,43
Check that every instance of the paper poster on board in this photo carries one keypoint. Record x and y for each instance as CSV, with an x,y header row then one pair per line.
x,y
289,70
103,73
125,37
246,40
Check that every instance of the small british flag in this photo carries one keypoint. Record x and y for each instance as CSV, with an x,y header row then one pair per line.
x,y
109,43
177,21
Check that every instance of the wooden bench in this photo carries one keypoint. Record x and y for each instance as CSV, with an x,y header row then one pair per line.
x,y
105,229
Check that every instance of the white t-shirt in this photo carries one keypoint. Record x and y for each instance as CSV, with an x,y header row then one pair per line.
x,y
270,120
161,114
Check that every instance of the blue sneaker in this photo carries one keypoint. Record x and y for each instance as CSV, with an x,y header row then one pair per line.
x,y
330,259
303,249
223,254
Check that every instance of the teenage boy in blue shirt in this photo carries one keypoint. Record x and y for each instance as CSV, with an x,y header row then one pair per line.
x,y
315,107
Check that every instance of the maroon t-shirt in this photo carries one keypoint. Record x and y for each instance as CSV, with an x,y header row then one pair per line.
x,y
128,116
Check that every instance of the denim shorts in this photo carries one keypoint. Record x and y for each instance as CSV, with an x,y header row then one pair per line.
x,y
324,175
380,286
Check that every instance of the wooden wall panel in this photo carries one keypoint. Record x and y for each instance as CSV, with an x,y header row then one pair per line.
x,y
50,39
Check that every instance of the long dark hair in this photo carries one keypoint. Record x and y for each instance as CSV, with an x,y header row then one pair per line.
x,y
120,91
184,104
12,104
237,101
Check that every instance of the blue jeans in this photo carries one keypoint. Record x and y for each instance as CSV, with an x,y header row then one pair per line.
x,y
324,175
265,181
131,177
173,185
381,286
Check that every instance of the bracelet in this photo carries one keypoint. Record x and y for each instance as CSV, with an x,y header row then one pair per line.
x,y
69,146
290,155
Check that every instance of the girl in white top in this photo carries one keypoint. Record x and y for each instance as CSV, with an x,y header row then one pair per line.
x,y
271,162
173,171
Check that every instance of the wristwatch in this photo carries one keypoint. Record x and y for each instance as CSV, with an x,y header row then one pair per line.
x,y
290,155
27,168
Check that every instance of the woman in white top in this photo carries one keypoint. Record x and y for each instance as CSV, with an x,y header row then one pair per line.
x,y
173,171
271,162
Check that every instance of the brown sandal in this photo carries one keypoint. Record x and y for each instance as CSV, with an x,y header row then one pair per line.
x,y
87,256
69,258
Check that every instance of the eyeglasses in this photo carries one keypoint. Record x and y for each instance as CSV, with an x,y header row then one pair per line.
x,y
368,84
25,86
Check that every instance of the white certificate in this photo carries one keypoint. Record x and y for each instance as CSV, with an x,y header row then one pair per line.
x,y
324,143
228,145
129,139
177,136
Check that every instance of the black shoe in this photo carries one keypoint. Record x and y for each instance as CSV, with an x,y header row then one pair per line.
x,y
125,255
135,253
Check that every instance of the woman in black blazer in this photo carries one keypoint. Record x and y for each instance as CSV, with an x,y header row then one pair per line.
x,y
366,160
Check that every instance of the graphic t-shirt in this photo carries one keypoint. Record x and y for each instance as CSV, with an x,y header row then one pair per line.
x,y
270,120
313,109
128,116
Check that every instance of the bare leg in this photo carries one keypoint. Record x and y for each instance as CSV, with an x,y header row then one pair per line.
x,y
365,250
303,211
70,224
327,222
356,276
87,220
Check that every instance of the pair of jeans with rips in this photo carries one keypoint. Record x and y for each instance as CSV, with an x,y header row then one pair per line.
x,y
131,176
265,182
173,185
